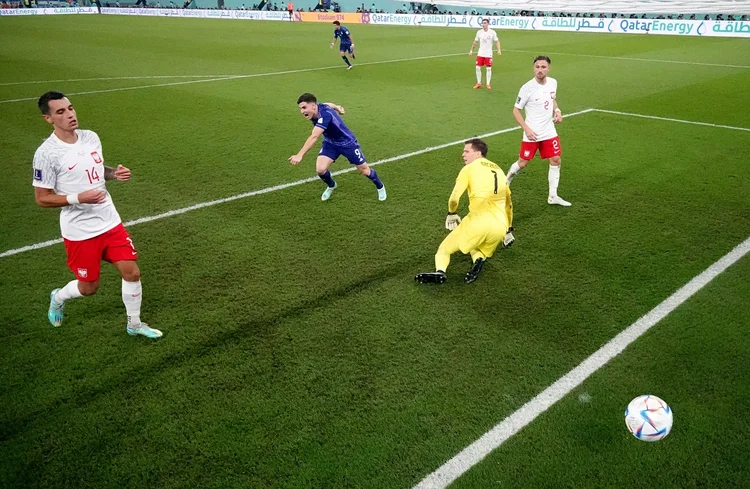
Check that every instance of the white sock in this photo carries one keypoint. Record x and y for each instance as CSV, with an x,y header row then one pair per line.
x,y
70,291
489,75
513,171
131,297
554,179
479,74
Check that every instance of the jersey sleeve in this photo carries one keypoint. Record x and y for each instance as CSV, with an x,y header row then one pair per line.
x,y
476,38
462,183
45,173
523,98
324,119
494,36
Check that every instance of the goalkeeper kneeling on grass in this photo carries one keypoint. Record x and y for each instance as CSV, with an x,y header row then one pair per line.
x,y
489,220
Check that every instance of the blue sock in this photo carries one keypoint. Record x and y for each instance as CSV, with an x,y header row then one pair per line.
x,y
374,177
346,60
328,179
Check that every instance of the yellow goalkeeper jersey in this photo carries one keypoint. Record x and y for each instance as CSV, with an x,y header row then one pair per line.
x,y
486,184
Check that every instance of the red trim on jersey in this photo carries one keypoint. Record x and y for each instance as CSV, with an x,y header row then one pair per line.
x,y
84,257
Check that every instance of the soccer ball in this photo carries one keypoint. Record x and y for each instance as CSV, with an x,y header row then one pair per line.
x,y
648,418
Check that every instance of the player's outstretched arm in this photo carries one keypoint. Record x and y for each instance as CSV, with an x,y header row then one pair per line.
x,y
316,132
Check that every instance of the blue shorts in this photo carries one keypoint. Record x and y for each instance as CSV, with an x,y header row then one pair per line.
x,y
353,154
345,48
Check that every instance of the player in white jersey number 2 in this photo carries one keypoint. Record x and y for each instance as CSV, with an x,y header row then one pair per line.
x,y
69,172
538,97
485,37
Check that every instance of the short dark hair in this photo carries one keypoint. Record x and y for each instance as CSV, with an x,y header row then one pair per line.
x,y
543,58
308,98
485,20
44,100
336,22
478,145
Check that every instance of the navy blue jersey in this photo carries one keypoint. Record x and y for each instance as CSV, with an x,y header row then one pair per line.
x,y
335,131
342,33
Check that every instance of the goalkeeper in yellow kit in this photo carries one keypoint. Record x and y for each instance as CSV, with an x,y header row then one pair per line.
x,y
489,220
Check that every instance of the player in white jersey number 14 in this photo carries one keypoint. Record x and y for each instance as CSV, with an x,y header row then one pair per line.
x,y
69,173
485,37
538,97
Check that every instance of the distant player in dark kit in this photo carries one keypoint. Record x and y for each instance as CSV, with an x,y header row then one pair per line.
x,y
346,46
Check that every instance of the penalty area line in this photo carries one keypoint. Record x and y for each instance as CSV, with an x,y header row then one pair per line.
x,y
494,438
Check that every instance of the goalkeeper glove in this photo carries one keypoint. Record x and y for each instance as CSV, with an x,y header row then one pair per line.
x,y
452,221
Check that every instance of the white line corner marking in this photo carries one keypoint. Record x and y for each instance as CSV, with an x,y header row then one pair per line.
x,y
474,453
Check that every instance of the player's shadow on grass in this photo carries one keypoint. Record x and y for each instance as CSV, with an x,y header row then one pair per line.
x,y
259,330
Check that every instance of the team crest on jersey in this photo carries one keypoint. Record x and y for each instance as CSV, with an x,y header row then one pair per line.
x,y
83,272
37,174
97,158
526,153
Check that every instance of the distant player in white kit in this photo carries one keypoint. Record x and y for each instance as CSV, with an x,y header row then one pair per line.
x,y
69,172
485,37
539,99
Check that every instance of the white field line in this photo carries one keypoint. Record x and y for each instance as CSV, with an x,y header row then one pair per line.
x,y
266,190
239,77
144,77
627,58
669,119
223,77
474,453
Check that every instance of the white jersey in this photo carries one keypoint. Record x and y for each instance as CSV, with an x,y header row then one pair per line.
x,y
70,169
538,100
485,40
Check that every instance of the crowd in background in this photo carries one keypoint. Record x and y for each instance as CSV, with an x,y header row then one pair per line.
x,y
413,8
426,8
